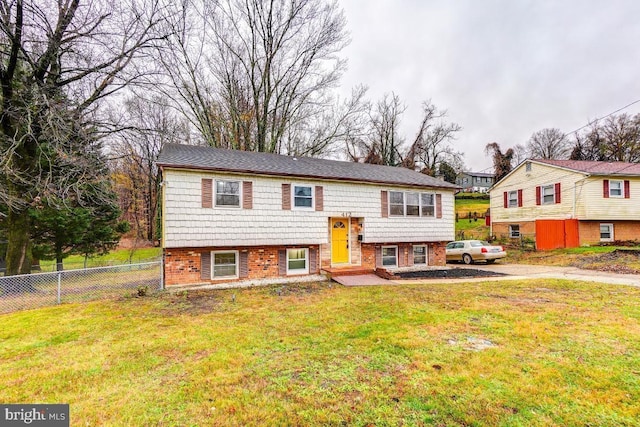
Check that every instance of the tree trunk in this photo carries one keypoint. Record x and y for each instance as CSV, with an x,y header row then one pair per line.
x,y
19,243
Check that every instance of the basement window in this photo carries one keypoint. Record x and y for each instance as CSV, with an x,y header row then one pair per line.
x,y
297,261
389,256
606,232
514,230
224,264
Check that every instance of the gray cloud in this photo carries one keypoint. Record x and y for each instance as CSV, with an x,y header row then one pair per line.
x,y
503,69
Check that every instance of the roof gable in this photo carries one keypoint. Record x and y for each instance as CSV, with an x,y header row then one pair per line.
x,y
206,158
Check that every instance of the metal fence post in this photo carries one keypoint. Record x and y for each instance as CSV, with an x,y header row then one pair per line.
x,y
162,271
59,285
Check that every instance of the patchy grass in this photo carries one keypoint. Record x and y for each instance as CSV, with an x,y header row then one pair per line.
x,y
528,353
472,229
603,258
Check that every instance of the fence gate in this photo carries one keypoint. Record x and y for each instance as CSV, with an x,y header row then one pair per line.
x,y
556,234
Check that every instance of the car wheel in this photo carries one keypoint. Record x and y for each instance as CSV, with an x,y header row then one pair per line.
x,y
491,261
466,258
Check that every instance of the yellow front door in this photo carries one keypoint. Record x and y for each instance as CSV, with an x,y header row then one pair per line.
x,y
339,241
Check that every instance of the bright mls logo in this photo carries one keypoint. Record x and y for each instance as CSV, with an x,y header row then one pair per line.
x,y
35,415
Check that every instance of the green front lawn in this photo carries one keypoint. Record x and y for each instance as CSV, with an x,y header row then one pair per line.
x,y
495,353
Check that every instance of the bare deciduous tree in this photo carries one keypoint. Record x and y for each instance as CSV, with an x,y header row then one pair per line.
x,y
150,125
432,144
256,75
616,138
550,143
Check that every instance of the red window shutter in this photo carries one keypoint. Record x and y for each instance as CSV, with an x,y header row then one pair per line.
x,y
538,196
520,198
384,204
558,193
505,196
438,205
627,189
319,198
286,197
207,193
247,195
605,188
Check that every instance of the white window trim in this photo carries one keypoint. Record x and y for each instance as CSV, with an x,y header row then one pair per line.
x,y
293,198
511,234
304,270
610,225
618,196
215,192
382,257
509,193
553,188
404,204
213,276
426,254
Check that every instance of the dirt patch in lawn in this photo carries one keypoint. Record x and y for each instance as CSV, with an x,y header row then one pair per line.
x,y
451,273
300,289
624,261
192,302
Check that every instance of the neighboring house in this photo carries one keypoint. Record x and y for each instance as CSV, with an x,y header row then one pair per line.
x,y
231,215
475,181
567,203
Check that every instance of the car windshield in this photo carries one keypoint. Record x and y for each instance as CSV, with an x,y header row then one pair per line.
x,y
478,243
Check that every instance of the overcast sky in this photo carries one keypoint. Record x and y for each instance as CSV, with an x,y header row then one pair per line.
x,y
502,69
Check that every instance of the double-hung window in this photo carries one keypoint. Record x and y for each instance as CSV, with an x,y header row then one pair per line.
x,y
224,264
303,196
514,230
298,261
513,199
606,232
228,193
615,188
413,204
548,195
428,204
396,203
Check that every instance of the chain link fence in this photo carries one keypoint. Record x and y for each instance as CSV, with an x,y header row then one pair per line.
x,y
28,291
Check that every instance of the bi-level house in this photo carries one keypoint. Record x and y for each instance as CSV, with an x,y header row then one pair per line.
x,y
568,203
234,215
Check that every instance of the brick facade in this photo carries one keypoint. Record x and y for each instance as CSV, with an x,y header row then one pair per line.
x,y
501,229
183,266
622,230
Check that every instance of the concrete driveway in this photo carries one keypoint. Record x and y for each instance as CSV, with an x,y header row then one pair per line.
x,y
525,271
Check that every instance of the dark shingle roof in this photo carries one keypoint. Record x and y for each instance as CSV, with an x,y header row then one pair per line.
x,y
207,158
595,168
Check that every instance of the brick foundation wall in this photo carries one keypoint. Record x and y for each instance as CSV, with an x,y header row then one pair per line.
x,y
501,229
436,250
622,230
183,266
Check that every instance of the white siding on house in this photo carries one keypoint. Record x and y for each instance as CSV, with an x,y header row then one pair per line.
x,y
587,191
187,224
540,175
596,207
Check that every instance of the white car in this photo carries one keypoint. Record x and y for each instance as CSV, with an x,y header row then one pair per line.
x,y
469,251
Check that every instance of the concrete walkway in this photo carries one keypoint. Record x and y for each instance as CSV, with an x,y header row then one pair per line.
x,y
512,271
